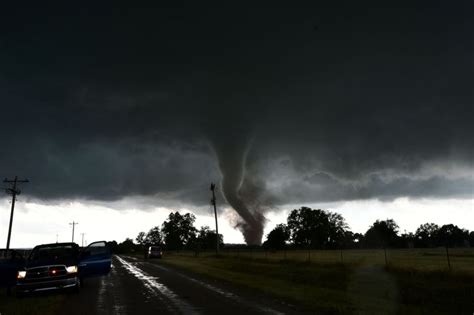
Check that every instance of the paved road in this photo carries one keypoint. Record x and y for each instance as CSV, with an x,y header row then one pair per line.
x,y
135,286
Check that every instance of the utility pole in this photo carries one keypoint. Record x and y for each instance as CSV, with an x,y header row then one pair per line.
x,y
73,225
213,202
14,191
83,239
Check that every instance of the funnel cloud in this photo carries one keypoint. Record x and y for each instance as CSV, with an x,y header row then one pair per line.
x,y
232,156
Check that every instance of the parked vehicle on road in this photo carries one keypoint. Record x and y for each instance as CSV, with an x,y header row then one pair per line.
x,y
62,266
154,252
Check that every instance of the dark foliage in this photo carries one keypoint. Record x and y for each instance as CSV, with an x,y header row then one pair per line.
x,y
127,247
452,236
154,236
382,234
141,238
206,239
427,235
316,228
179,231
113,246
277,238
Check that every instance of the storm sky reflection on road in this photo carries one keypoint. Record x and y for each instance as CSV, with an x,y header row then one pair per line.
x,y
135,286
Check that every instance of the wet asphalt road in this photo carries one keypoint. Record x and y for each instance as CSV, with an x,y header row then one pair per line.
x,y
135,286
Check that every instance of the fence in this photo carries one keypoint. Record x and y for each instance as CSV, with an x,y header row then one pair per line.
x,y
457,259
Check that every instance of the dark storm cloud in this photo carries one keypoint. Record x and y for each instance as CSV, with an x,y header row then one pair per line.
x,y
107,102
325,188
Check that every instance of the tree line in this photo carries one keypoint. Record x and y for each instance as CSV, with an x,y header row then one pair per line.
x,y
322,229
305,228
177,232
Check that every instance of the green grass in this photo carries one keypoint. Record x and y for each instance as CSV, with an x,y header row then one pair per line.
x,y
429,259
342,288
38,304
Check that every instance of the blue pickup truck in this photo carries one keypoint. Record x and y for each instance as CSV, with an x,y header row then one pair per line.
x,y
10,262
54,266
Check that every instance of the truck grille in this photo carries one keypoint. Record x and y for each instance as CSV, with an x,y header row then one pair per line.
x,y
46,272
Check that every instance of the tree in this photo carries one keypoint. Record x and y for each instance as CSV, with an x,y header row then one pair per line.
x,y
153,237
357,240
113,246
451,235
316,228
277,237
407,240
338,230
178,230
350,240
382,234
206,239
141,238
471,239
426,235
126,246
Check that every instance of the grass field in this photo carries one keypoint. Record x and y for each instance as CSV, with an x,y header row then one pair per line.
x,y
34,305
429,259
421,284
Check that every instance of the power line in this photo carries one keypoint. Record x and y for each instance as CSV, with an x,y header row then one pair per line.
x,y
14,191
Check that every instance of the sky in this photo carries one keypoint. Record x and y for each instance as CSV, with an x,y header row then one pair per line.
x,y
122,114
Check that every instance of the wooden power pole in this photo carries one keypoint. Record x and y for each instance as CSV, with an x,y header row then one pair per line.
x,y
213,201
14,191
73,225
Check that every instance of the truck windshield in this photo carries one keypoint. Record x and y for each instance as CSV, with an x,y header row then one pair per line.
x,y
52,253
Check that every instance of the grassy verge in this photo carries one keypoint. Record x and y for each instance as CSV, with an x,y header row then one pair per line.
x,y
423,259
339,288
38,304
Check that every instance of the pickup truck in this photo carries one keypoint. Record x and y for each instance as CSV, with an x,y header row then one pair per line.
x,y
57,266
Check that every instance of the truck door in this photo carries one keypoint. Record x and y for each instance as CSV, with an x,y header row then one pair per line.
x,y
95,260
10,262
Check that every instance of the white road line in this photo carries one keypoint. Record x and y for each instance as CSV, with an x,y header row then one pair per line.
x,y
152,284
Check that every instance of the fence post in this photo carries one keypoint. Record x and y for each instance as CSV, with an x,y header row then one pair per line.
x,y
447,256
385,254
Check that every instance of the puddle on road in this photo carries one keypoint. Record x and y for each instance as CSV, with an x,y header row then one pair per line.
x,y
107,289
101,295
157,288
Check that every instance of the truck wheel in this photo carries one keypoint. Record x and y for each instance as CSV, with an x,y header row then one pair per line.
x,y
77,288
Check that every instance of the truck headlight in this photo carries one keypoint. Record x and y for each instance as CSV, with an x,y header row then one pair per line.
x,y
21,274
71,269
